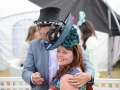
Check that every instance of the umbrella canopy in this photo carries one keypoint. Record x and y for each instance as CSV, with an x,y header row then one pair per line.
x,y
114,28
65,5
96,12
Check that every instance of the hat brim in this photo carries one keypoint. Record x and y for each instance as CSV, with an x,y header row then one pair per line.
x,y
67,28
45,23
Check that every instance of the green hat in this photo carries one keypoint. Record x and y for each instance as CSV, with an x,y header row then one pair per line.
x,y
72,39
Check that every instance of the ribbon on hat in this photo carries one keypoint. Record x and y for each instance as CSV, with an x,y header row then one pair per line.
x,y
81,18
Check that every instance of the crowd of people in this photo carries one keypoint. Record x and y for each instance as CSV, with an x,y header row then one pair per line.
x,y
52,56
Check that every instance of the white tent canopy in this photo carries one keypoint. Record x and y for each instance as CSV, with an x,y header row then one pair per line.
x,y
114,4
15,18
15,7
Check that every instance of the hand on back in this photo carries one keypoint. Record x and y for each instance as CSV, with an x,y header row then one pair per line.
x,y
80,79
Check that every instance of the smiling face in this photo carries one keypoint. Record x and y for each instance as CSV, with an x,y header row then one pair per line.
x,y
64,56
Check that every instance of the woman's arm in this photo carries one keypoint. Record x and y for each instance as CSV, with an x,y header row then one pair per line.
x,y
23,52
64,85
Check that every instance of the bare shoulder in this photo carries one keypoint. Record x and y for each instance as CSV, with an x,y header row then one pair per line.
x,y
66,77
64,84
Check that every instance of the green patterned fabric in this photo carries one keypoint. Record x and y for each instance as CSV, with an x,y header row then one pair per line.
x,y
93,60
72,39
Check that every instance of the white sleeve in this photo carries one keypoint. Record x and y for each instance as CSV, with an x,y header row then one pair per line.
x,y
24,52
91,43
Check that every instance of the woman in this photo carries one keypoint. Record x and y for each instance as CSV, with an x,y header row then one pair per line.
x,y
70,61
89,39
32,34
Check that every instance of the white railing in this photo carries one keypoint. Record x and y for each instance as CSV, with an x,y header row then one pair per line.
x,y
13,83
107,84
17,83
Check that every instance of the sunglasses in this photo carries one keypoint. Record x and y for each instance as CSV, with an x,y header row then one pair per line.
x,y
42,25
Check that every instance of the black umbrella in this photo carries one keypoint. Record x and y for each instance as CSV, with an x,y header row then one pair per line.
x,y
96,12
65,5
114,27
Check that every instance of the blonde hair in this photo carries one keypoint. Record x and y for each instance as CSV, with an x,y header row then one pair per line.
x,y
31,31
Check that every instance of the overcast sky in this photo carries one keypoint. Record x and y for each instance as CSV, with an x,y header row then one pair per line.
x,y
114,4
113,1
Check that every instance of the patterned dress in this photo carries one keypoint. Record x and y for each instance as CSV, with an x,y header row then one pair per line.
x,y
55,85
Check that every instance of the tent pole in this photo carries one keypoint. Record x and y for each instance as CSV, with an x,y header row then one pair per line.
x,y
110,46
110,57
116,20
109,19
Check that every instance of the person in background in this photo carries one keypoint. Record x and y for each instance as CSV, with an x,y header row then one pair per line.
x,y
78,30
40,64
89,39
32,34
70,60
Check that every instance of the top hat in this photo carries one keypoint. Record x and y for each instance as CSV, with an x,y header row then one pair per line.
x,y
60,33
48,15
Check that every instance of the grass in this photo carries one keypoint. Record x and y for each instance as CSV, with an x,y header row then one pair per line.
x,y
115,72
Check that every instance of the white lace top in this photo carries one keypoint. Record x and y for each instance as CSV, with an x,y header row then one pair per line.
x,y
53,66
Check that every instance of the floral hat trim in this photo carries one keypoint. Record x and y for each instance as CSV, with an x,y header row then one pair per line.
x,y
72,39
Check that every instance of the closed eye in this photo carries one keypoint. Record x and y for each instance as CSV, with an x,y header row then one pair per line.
x,y
65,52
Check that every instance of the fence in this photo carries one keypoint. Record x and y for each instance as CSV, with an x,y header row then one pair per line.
x,y
17,83
13,83
107,84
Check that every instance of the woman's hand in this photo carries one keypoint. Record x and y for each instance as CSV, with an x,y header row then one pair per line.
x,y
80,79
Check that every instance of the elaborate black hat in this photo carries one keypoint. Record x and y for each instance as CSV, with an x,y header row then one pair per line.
x,y
48,15
60,33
